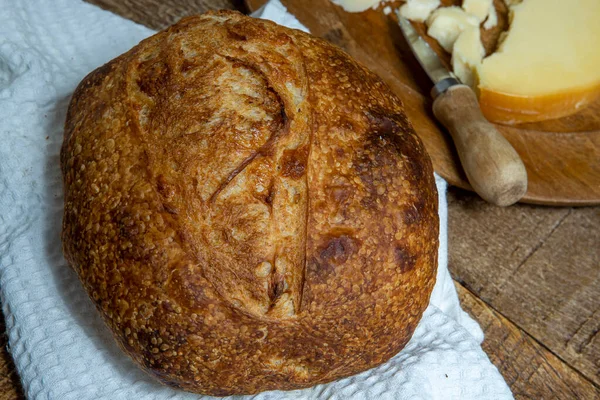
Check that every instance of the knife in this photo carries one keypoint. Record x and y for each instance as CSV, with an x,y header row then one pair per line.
x,y
493,167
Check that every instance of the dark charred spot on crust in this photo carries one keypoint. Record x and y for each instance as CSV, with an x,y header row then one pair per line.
x,y
167,307
369,202
414,213
293,162
392,129
236,35
99,110
270,195
153,76
404,258
180,339
394,132
165,189
170,208
416,169
411,215
389,141
128,229
187,65
338,249
276,287
167,192
321,270
381,124
364,167
274,100
186,290
339,194
368,165
348,124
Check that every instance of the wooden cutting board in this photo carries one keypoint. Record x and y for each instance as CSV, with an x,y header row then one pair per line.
x,y
562,156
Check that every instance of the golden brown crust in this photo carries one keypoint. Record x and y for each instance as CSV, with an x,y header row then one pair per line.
x,y
248,207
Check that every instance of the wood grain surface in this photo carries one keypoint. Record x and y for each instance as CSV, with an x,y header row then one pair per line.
x,y
158,14
529,275
531,370
562,156
540,267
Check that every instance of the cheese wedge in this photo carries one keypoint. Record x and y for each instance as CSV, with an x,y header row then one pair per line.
x,y
418,10
446,23
547,66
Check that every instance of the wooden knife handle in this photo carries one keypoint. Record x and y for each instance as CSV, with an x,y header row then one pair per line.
x,y
491,164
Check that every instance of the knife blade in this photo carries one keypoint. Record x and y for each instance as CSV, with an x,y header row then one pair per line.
x,y
428,59
493,167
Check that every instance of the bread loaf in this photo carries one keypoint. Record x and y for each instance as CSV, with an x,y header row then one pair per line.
x,y
248,208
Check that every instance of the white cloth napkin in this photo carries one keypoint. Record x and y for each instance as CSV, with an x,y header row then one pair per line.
x,y
62,349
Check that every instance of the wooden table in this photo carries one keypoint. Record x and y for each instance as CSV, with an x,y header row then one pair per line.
x,y
529,275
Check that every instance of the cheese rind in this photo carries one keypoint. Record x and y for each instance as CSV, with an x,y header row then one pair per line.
x,y
512,109
445,25
548,64
418,10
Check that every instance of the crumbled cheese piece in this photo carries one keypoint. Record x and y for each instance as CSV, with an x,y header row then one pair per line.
x,y
492,19
418,10
478,8
446,23
387,10
467,54
356,5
